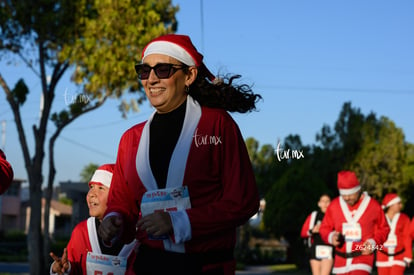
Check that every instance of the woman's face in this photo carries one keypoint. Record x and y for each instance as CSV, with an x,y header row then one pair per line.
x,y
97,199
323,203
167,94
395,208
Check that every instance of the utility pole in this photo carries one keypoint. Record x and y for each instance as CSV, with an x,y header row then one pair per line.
x,y
202,25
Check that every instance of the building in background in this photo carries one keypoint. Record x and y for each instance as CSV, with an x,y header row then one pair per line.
x,y
15,208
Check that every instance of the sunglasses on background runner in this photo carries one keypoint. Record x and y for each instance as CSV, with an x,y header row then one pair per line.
x,y
162,70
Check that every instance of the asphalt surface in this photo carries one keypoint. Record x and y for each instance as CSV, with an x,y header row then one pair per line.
x,y
23,269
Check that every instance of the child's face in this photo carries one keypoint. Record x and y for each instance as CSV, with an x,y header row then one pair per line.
x,y
97,198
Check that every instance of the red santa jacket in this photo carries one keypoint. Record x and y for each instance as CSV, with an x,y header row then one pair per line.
x,y
6,173
412,228
368,213
306,231
84,239
211,159
397,250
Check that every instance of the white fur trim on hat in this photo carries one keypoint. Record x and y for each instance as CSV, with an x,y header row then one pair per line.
x,y
393,201
170,49
103,177
350,190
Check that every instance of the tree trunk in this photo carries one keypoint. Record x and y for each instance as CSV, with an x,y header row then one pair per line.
x,y
48,198
35,243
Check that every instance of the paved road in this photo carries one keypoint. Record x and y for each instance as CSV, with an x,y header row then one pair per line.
x,y
23,268
255,270
17,268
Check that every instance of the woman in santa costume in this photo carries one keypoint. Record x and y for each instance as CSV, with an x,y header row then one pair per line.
x,y
396,254
6,173
320,254
355,224
183,180
86,253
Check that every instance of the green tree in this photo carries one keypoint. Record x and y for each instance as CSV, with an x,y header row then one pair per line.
x,y
407,193
264,163
87,172
293,194
380,161
100,41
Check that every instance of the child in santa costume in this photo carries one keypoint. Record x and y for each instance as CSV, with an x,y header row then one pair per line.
x,y
6,173
396,253
86,253
355,224
183,180
320,254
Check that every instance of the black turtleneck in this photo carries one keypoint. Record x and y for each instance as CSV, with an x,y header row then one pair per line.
x,y
165,130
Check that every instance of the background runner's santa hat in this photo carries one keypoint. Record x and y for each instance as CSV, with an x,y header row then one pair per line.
x,y
103,175
390,199
179,47
348,183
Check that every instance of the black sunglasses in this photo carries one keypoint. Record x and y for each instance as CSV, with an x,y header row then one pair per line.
x,y
162,70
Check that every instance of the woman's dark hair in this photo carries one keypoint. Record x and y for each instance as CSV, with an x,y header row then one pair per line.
x,y
224,94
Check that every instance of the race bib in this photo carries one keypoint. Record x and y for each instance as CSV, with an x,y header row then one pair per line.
x,y
391,241
323,252
166,200
352,232
101,264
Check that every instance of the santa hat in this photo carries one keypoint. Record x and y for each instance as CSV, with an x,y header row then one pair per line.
x,y
348,183
179,47
2,155
390,199
103,175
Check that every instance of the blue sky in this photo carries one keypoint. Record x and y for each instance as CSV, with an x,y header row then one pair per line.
x,y
306,58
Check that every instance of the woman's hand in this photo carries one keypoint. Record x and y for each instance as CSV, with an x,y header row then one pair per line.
x,y
156,224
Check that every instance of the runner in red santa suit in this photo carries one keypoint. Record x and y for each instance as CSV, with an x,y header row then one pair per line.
x,y
86,253
186,169
355,224
396,254
6,173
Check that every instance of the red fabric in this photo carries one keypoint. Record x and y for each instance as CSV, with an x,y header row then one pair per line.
x,y
412,228
404,241
6,173
304,233
219,177
356,272
394,270
373,225
388,198
347,180
103,181
78,247
185,43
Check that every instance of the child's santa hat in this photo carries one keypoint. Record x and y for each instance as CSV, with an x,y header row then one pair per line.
x,y
348,183
179,47
390,199
103,175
